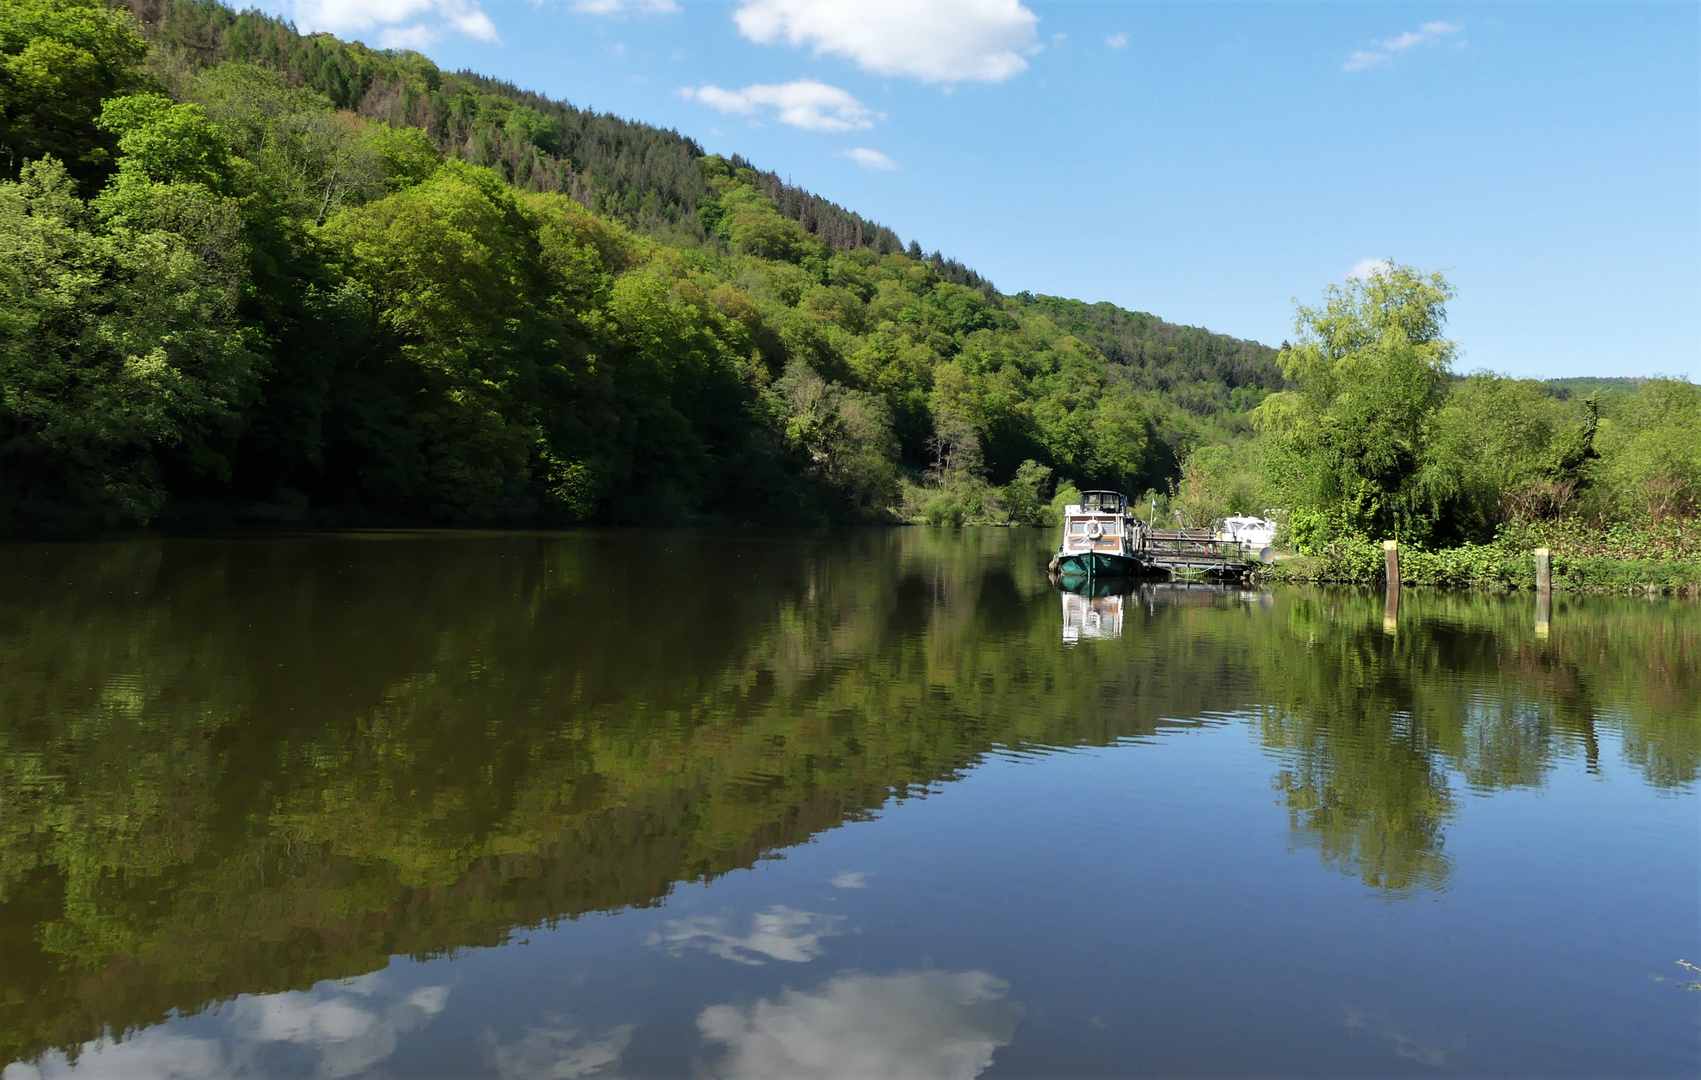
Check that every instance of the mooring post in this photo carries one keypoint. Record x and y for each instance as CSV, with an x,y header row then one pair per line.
x,y
1544,592
1391,602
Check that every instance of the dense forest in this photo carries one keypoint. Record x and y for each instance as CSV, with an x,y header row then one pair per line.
x,y
255,276
251,276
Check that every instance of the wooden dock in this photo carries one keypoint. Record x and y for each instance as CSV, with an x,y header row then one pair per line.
x,y
1195,549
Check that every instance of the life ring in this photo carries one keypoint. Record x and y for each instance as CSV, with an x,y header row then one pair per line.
x,y
1094,530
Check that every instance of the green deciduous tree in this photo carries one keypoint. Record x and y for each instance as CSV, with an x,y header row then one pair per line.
x,y
1026,496
449,274
1370,368
1650,466
59,61
116,346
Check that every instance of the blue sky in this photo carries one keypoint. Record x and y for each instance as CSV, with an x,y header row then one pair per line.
x,y
1207,162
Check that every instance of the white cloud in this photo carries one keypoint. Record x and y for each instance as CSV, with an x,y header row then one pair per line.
x,y
622,7
811,105
858,879
559,1052
416,37
1382,53
779,933
877,162
401,24
1365,269
926,1025
942,41
1117,41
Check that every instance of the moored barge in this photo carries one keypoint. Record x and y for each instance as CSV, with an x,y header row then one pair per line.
x,y
1100,537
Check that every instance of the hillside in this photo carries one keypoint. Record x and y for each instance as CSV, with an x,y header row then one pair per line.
x,y
644,176
266,277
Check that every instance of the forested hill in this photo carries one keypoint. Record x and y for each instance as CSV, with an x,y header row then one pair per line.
x,y
1203,372
254,276
644,176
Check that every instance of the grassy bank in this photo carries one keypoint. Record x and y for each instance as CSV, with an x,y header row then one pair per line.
x,y
1665,558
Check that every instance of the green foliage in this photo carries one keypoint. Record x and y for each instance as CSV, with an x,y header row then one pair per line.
x,y
462,303
1507,563
844,436
1219,480
1067,495
118,349
1502,450
436,267
165,143
59,62
458,302
1651,454
1370,367
1199,371
1025,497
1376,442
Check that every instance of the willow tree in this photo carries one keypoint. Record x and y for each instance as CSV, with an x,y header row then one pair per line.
x,y
1370,367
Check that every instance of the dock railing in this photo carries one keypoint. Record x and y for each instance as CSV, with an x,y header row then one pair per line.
x,y
1195,549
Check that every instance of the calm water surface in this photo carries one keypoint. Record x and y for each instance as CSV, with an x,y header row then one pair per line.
x,y
879,804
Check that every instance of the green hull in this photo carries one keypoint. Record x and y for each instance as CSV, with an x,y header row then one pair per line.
x,y
1097,564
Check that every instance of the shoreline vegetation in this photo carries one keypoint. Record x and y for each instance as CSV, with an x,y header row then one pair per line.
x,y
1504,565
259,279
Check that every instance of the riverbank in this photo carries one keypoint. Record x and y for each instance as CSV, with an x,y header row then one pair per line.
x,y
1658,559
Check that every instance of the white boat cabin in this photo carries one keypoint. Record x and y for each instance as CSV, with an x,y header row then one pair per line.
x,y
1252,533
1100,524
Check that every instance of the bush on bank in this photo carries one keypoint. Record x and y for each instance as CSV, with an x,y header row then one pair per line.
x,y
1509,563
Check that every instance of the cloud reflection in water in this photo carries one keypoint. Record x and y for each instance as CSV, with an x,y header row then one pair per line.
x,y
560,1052
924,1025
331,1031
780,933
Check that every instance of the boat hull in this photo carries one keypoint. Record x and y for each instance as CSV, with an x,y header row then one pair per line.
x,y
1096,564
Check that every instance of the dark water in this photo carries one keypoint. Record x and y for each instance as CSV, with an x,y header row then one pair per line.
x,y
771,805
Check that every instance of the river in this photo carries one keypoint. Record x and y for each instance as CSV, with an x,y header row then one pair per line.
x,y
875,803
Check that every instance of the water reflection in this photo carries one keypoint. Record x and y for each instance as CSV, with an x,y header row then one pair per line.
x,y
245,767
924,1025
779,933
1091,618
334,1030
561,1051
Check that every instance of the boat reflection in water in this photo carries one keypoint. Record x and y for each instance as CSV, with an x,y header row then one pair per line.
x,y
1094,609
1091,617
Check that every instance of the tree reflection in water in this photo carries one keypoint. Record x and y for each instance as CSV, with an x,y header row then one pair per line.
x,y
248,766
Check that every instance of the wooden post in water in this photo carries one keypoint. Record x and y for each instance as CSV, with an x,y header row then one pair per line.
x,y
1544,592
1391,602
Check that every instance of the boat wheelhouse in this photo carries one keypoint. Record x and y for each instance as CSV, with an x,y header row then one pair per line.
x,y
1100,537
